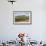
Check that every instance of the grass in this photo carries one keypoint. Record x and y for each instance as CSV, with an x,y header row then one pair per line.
x,y
21,18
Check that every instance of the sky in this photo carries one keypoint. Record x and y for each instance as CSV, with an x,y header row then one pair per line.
x,y
21,13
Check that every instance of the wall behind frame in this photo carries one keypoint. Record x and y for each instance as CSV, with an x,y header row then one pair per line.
x,y
9,31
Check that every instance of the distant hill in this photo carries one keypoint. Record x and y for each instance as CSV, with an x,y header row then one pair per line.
x,y
21,18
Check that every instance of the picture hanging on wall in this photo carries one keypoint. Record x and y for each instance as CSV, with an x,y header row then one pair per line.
x,y
22,17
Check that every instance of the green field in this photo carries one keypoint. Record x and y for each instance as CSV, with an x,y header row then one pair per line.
x,y
21,18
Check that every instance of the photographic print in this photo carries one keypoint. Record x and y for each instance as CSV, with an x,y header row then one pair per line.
x,y
22,17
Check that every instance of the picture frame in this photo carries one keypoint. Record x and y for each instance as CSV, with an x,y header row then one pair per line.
x,y
22,17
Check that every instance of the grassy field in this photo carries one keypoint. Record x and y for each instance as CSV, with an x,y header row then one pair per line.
x,y
21,18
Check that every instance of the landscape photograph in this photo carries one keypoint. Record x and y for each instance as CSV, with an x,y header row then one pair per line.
x,y
22,17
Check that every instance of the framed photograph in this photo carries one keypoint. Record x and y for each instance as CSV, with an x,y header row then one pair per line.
x,y
22,17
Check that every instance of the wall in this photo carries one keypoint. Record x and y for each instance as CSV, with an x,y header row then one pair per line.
x,y
9,31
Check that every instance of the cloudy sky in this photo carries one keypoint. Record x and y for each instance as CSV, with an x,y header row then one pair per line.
x,y
21,13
